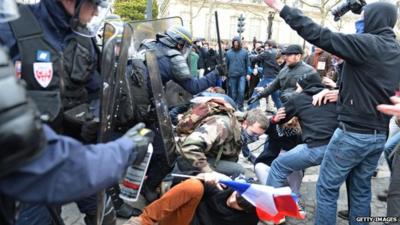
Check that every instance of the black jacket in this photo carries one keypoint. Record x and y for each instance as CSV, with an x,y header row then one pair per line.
x,y
267,60
317,122
372,62
210,61
286,80
212,210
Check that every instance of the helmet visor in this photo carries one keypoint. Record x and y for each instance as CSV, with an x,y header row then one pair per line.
x,y
90,17
8,11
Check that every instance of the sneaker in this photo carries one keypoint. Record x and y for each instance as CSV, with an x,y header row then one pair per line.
x,y
133,221
343,214
302,210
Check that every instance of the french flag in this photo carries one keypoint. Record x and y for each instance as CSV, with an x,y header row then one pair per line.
x,y
272,204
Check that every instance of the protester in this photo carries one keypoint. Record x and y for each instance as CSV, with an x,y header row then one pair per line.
x,y
193,202
285,81
237,62
368,79
213,137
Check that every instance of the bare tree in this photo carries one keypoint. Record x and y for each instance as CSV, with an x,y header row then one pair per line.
x,y
194,15
398,11
324,7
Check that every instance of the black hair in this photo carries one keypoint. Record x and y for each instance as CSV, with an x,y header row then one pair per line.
x,y
244,204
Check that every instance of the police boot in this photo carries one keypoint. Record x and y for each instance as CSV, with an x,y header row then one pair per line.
x,y
109,217
126,211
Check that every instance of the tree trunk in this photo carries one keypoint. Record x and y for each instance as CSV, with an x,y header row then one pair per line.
x,y
191,16
210,16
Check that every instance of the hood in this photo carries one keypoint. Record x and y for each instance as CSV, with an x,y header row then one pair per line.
x,y
212,52
237,38
315,89
58,15
311,83
379,15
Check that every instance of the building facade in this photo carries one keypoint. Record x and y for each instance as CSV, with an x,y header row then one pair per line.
x,y
198,15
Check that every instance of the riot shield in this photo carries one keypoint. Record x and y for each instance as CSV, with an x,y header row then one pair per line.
x,y
138,31
111,41
161,107
175,94
147,29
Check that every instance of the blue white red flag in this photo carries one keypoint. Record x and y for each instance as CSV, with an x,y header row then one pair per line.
x,y
272,204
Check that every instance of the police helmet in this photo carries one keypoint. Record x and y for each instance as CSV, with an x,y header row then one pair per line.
x,y
100,11
179,35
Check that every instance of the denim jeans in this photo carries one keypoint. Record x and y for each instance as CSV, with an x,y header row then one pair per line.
x,y
237,86
297,159
389,146
275,95
351,155
293,180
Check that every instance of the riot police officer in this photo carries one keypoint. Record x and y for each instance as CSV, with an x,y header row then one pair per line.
x,y
41,166
51,46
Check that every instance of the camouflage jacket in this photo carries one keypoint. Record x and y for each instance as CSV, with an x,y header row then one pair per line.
x,y
216,134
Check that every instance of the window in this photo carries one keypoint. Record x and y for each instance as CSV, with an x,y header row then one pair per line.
x,y
233,26
254,29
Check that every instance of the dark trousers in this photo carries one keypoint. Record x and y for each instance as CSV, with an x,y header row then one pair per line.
x,y
393,201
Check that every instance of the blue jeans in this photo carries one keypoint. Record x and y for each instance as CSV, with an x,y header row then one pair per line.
x,y
351,155
275,95
237,85
389,146
299,158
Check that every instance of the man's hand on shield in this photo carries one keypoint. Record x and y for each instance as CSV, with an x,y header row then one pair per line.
x,y
221,70
141,138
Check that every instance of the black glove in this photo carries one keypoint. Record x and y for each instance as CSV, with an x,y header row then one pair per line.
x,y
254,99
141,138
89,130
221,70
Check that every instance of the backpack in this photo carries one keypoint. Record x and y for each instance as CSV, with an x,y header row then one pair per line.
x,y
194,117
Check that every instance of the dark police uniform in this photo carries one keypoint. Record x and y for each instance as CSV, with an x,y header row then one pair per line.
x,y
58,66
